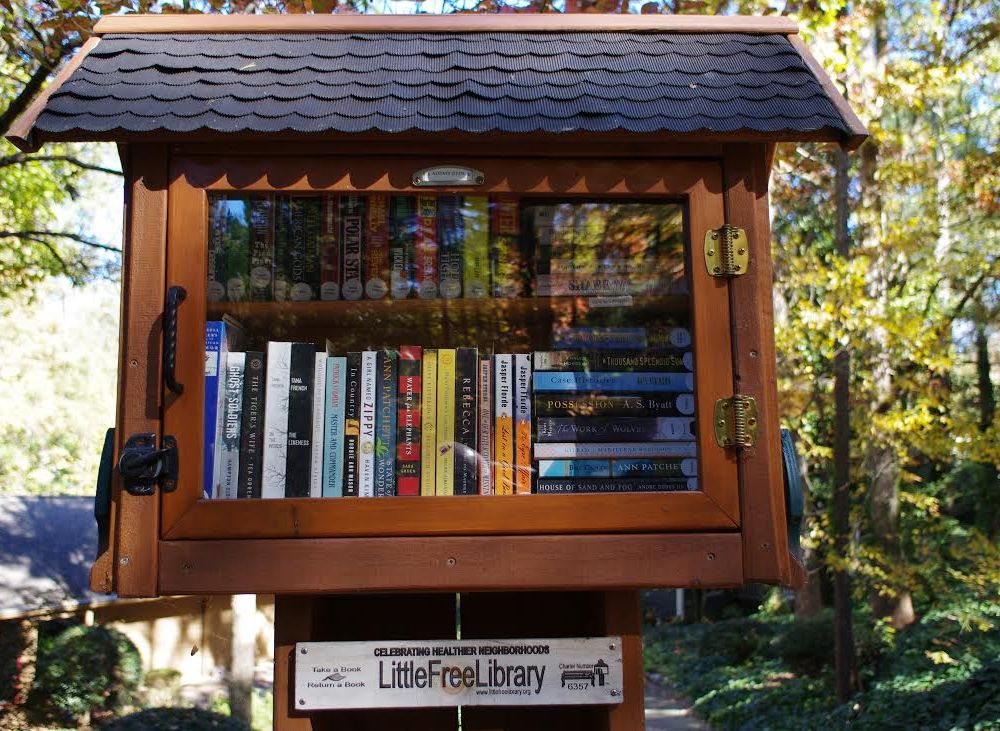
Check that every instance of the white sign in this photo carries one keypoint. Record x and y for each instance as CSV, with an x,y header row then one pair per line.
x,y
427,673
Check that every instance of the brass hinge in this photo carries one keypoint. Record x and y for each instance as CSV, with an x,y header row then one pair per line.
x,y
726,251
736,421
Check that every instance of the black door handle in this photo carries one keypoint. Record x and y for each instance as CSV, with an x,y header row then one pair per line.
x,y
175,295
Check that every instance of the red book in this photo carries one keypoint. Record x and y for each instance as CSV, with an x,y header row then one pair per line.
x,y
427,247
408,421
329,242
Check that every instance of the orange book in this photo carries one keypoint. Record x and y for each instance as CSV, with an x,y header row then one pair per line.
x,y
503,434
522,424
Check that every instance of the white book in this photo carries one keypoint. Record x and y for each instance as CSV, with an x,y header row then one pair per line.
x,y
620,450
230,419
486,427
366,443
279,357
319,401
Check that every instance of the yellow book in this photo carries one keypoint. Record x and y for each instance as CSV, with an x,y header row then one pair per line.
x,y
503,435
428,421
476,246
522,423
445,478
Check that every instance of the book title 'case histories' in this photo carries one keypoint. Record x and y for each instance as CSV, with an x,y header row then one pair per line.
x,y
445,305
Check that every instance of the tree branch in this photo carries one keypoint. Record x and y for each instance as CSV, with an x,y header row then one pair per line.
x,y
22,158
34,236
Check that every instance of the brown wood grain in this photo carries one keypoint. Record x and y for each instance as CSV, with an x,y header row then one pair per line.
x,y
623,618
766,556
139,406
295,619
554,22
522,563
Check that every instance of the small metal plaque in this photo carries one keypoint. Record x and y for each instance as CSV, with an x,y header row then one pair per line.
x,y
432,673
447,176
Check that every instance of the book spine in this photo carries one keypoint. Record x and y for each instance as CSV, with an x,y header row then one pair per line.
x,y
485,427
575,404
366,442
251,430
569,360
281,288
313,264
279,357
476,246
333,441
614,429
543,218
597,284
503,433
613,450
220,411
522,423
574,468
261,249
302,266
377,272
613,381
233,421
352,214
216,289
506,267
445,470
591,338
426,247
214,364
401,245
686,467
298,455
236,249
329,287
428,422
451,234
466,421
318,425
657,484
352,425
387,364
408,443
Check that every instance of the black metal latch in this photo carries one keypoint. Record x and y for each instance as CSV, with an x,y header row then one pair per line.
x,y
144,466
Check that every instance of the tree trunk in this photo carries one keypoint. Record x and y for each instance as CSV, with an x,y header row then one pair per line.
x,y
244,612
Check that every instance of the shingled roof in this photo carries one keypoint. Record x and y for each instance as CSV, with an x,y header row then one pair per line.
x,y
146,78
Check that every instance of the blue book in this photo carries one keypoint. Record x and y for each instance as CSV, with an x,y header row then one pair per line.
x,y
333,449
612,381
216,350
574,468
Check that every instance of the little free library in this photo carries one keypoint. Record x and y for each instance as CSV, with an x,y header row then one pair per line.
x,y
453,332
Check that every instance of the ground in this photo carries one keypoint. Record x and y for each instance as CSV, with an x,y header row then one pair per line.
x,y
668,710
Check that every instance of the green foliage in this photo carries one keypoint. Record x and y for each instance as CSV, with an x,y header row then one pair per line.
x,y
83,670
734,641
176,719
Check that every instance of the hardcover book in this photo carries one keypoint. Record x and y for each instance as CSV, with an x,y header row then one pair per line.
x,y
593,404
281,287
485,427
426,247
408,443
352,425
318,425
216,350
445,470
574,468
377,271
614,429
366,442
428,423
506,265
475,246
352,215
686,467
451,234
329,243
612,381
261,249
466,421
522,423
279,356
656,484
387,365
228,485
298,455
574,360
252,428
402,254
612,450
333,441
503,432
302,264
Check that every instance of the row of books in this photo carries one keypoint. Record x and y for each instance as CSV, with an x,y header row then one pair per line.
x,y
292,422
331,247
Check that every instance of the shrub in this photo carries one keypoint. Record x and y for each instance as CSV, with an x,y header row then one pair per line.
x,y
176,719
83,670
734,640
